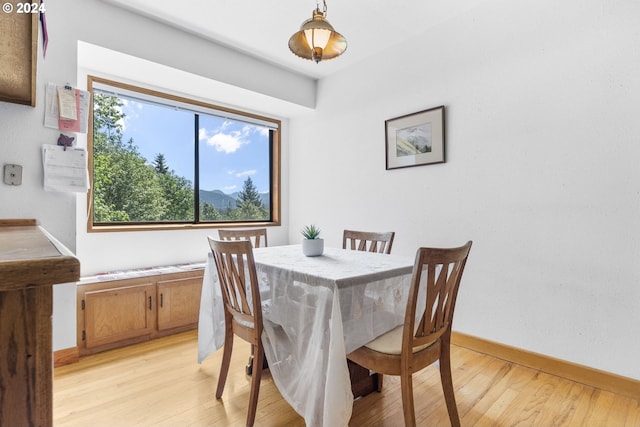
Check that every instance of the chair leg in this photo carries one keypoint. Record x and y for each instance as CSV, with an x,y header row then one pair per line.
x,y
258,358
447,386
406,385
226,361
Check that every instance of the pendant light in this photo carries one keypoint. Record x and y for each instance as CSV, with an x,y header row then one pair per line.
x,y
317,40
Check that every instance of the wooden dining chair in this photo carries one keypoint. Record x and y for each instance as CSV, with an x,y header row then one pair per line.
x,y
368,241
257,236
423,338
242,314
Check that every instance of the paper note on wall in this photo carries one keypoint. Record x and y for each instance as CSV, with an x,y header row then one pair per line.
x,y
67,103
52,114
65,169
66,123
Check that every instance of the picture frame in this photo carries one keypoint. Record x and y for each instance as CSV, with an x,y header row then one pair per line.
x,y
415,139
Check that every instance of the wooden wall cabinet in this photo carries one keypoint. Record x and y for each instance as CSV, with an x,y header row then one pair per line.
x,y
120,312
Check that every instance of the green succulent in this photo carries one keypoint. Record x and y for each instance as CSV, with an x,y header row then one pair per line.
x,y
310,232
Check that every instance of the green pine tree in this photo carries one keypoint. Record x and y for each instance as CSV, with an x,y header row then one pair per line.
x,y
249,194
160,164
250,203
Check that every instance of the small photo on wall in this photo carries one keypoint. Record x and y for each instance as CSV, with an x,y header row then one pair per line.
x,y
415,139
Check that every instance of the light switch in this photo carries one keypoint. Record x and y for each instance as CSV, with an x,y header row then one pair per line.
x,y
12,174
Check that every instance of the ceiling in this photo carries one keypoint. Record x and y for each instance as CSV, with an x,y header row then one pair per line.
x,y
262,29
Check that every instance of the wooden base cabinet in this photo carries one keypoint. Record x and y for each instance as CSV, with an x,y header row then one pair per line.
x,y
120,312
31,262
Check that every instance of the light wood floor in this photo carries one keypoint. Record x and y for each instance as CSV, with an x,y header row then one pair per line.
x,y
160,383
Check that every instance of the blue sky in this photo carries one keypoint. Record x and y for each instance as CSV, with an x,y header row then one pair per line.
x,y
230,151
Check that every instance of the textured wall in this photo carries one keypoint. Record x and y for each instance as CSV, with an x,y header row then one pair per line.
x,y
541,173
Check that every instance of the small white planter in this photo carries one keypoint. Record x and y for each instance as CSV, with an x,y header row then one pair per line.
x,y
312,247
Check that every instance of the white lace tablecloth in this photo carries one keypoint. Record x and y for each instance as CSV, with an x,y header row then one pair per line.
x,y
316,310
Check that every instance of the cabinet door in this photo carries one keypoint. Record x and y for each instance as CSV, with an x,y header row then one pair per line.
x,y
178,302
113,315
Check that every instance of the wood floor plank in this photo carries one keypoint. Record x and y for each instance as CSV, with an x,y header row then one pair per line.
x,y
560,402
159,383
497,408
633,414
619,410
566,405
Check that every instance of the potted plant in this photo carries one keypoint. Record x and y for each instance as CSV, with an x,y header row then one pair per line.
x,y
312,244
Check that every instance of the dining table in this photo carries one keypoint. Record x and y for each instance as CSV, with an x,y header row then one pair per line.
x,y
316,310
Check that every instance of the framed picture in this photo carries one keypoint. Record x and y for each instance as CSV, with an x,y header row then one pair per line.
x,y
415,139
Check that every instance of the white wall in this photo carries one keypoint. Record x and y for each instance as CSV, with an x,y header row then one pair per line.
x,y
542,146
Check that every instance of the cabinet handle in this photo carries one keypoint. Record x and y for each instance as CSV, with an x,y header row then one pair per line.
x,y
161,300
149,303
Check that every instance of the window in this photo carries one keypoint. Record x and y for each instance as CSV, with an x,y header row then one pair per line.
x,y
160,161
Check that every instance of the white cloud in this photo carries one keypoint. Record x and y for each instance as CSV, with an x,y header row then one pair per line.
x,y
249,129
130,109
230,187
246,173
225,142
225,125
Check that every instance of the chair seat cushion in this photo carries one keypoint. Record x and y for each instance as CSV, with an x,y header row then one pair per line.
x,y
243,322
391,342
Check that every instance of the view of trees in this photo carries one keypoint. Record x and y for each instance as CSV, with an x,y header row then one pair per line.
x,y
126,188
249,204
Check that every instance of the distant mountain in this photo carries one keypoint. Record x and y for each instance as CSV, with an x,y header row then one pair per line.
x,y
218,199
265,198
221,200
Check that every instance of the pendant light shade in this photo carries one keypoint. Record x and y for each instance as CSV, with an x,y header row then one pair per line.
x,y
317,40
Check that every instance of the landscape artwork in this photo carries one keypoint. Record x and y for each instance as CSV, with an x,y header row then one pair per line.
x,y
414,140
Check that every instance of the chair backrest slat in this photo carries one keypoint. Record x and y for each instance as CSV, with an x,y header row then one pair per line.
x,y
257,236
368,241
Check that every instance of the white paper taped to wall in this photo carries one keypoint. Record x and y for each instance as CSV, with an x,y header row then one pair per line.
x,y
65,169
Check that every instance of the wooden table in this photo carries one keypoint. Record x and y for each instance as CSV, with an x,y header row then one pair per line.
x,y
31,261
316,310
